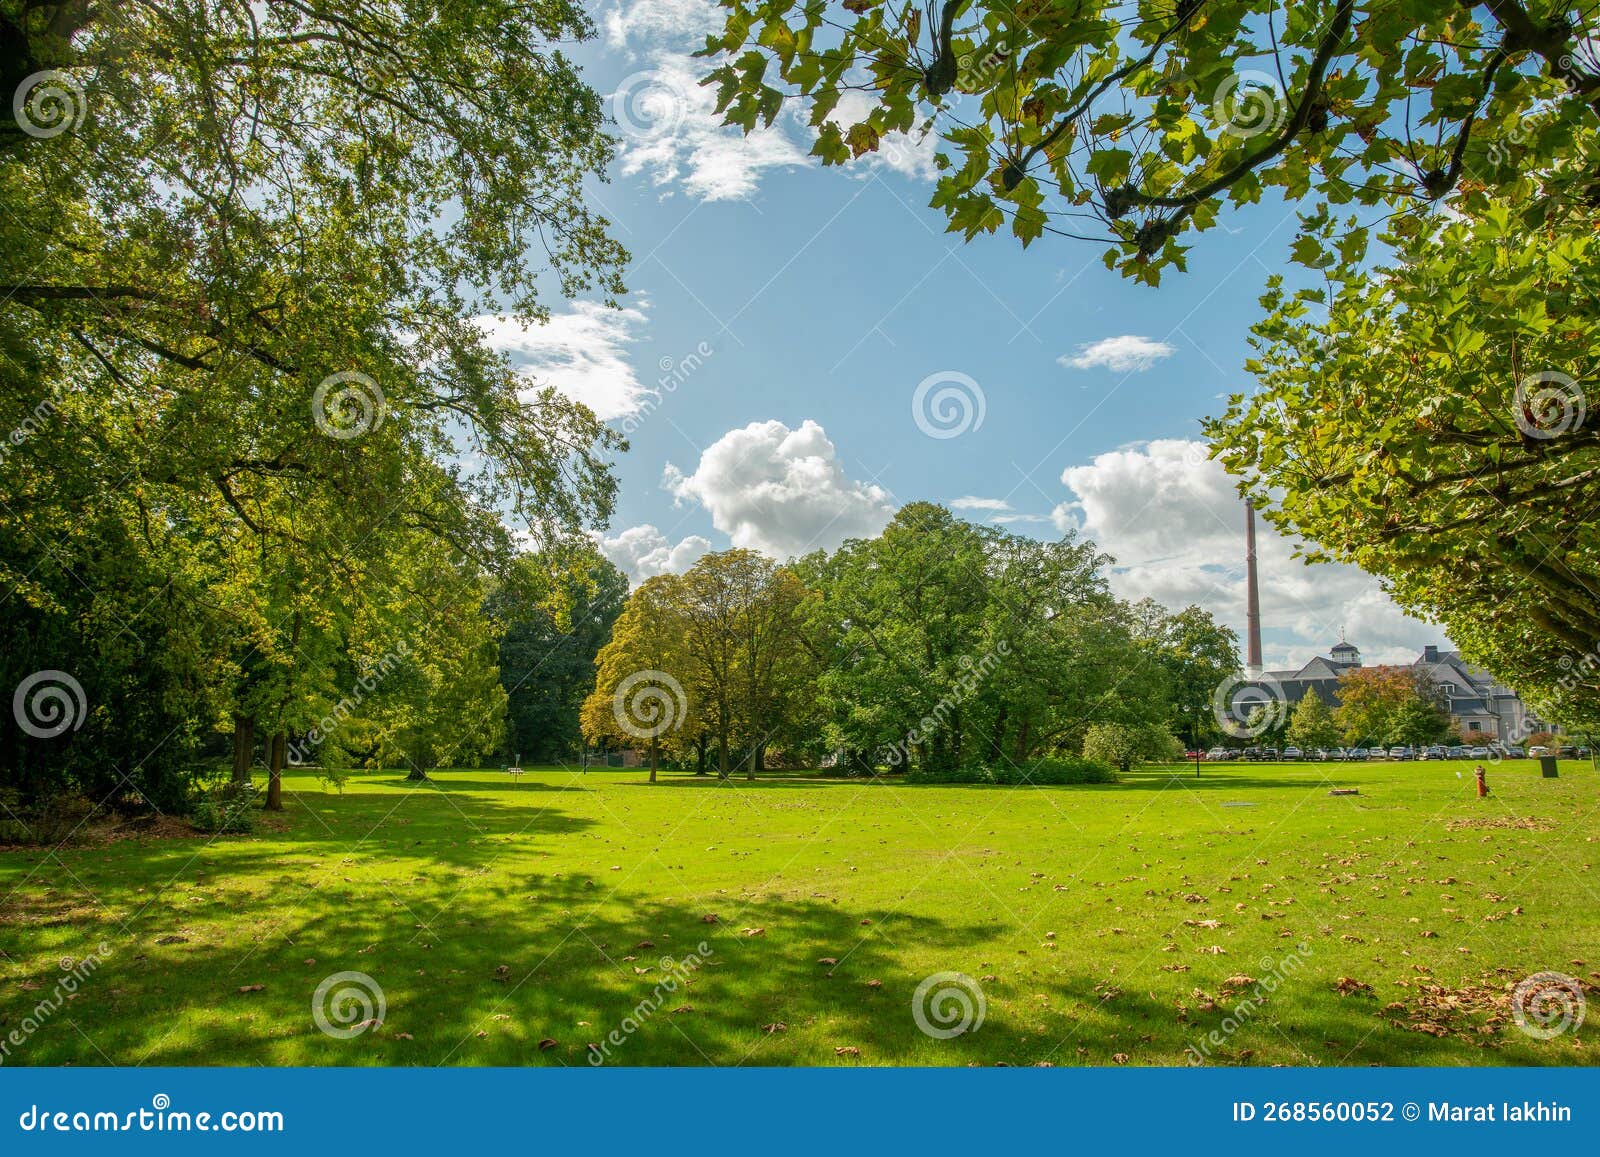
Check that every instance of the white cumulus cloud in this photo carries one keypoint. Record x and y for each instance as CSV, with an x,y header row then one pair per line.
x,y
582,352
780,491
1123,354
1173,521
642,552
971,502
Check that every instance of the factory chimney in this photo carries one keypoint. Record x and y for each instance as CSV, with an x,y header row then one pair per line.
x,y
1252,609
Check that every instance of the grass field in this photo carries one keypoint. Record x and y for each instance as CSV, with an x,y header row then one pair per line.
x,y
1102,924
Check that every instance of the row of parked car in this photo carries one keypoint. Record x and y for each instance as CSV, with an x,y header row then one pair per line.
x,y
1399,752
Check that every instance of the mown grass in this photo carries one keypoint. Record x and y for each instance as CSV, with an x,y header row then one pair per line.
x,y
496,916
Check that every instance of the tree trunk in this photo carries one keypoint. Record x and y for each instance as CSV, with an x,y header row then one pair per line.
x,y
654,746
417,775
244,748
701,747
277,747
722,756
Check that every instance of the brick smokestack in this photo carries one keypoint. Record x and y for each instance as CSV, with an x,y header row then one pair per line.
x,y
1252,605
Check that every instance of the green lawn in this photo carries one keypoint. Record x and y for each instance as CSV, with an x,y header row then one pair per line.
x,y
496,917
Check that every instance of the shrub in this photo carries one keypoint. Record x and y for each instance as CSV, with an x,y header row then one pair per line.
x,y
1039,773
51,820
227,808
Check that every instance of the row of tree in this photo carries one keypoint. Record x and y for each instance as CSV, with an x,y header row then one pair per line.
x,y
936,644
260,465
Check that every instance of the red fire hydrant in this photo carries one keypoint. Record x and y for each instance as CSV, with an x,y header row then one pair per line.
x,y
1483,782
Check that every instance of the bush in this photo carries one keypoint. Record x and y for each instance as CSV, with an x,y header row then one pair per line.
x,y
48,821
1039,773
228,808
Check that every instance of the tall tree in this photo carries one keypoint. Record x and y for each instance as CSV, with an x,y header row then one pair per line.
x,y
647,686
549,647
1371,699
1432,422
1312,725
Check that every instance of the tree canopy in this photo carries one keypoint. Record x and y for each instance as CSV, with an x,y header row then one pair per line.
x,y
1137,123
1430,422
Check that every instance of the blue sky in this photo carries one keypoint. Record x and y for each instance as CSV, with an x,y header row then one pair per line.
x,y
782,316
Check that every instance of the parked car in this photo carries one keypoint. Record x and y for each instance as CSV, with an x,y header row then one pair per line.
x,y
1457,752
1567,752
1437,751
1377,753
1515,752
1219,753
1322,755
1583,753
1538,752
1355,753
1477,753
1399,751
1292,752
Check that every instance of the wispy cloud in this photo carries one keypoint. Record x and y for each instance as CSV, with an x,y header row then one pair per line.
x,y
582,352
969,502
1123,354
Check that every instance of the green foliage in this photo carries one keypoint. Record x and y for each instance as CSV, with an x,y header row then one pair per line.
x,y
261,442
1435,422
1136,124
1054,772
548,651
1127,746
227,808
1312,725
945,644
1196,653
1390,705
